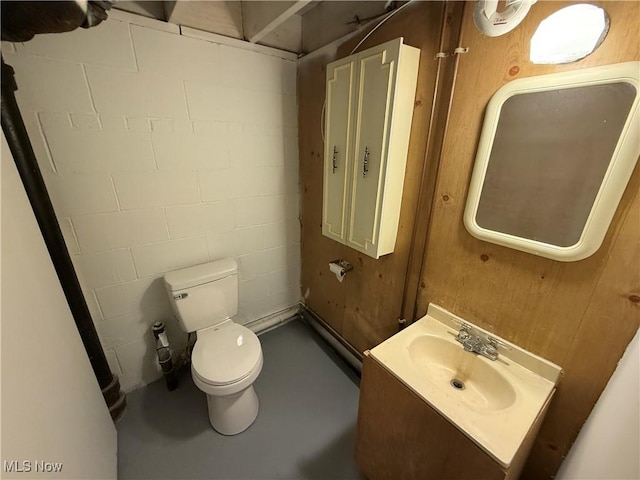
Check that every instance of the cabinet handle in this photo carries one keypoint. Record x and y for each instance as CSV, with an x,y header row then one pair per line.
x,y
365,162
335,160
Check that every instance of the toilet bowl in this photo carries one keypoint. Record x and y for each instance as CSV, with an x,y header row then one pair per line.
x,y
227,357
225,371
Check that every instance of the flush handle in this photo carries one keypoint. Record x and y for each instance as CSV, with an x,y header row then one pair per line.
x,y
180,296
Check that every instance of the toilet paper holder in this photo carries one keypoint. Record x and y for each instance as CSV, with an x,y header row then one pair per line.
x,y
344,264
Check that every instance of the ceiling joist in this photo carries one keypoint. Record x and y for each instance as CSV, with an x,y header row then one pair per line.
x,y
299,26
262,18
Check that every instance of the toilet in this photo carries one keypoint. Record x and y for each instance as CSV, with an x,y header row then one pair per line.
x,y
227,357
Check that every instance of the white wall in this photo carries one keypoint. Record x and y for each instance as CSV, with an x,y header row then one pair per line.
x,y
608,445
162,151
52,407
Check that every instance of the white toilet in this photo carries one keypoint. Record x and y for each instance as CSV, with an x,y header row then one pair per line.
x,y
227,357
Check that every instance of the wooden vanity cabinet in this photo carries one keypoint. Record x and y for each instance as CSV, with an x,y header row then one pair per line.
x,y
399,436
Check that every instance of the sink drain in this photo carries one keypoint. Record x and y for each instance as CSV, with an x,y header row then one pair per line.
x,y
457,384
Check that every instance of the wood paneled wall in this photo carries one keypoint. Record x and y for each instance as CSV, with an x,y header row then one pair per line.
x,y
580,315
364,309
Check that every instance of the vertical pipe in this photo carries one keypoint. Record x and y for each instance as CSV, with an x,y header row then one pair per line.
x,y
450,31
24,157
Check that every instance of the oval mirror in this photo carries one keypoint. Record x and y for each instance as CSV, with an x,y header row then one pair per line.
x,y
569,34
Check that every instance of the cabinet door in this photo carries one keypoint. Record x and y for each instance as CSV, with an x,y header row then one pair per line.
x,y
339,116
400,436
375,92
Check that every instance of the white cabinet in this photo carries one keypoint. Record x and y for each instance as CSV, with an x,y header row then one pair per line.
x,y
369,108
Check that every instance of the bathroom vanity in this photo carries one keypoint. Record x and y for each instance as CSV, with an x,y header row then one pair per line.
x,y
430,409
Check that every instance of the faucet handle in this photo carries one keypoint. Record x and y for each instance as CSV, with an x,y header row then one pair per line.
x,y
464,332
465,327
494,342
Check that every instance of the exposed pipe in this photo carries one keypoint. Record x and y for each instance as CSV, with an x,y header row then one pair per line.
x,y
165,359
22,20
407,317
379,24
454,76
27,165
335,340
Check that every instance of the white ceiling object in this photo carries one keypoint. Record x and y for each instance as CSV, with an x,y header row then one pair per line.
x,y
569,34
493,23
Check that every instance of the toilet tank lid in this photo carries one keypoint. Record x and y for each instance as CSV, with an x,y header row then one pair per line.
x,y
199,274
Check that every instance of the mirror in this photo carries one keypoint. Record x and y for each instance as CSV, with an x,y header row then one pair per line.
x,y
569,34
554,158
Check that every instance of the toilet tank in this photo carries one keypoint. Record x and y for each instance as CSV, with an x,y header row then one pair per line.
x,y
204,295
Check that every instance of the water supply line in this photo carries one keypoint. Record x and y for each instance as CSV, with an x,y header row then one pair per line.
x,y
165,357
407,314
378,25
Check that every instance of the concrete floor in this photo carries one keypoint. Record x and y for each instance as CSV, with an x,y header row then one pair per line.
x,y
305,428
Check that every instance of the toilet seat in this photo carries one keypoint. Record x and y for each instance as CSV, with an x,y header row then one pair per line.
x,y
224,355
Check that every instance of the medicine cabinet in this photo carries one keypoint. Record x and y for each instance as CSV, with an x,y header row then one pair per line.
x,y
369,109
555,155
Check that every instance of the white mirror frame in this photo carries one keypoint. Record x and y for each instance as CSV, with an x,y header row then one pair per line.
x,y
617,175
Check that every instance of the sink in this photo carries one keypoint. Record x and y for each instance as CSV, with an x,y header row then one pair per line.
x,y
496,403
464,376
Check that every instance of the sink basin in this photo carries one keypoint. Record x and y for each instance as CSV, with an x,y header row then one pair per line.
x,y
496,403
463,376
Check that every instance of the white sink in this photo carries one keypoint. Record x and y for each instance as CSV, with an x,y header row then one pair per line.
x,y
494,402
479,384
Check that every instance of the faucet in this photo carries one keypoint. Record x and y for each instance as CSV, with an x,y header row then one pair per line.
x,y
473,341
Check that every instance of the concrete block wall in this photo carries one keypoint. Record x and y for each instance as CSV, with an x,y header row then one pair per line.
x,y
162,151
